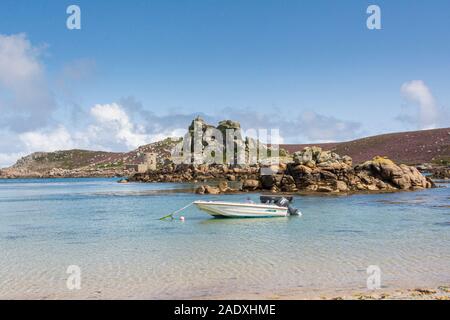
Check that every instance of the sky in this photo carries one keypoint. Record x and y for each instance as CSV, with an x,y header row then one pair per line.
x,y
138,71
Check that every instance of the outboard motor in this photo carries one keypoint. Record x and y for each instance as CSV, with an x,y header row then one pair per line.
x,y
283,202
293,211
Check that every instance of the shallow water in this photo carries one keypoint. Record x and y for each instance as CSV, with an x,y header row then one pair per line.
x,y
112,233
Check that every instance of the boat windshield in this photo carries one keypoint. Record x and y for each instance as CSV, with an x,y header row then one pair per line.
x,y
274,199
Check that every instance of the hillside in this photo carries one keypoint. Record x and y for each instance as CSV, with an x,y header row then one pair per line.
x,y
85,162
415,147
68,159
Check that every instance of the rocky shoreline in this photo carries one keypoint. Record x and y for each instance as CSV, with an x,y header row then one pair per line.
x,y
62,173
312,170
441,173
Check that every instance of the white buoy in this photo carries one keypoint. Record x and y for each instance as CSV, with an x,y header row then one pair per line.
x,y
182,218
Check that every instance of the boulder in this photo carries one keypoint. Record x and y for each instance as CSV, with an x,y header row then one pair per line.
x,y
381,185
441,173
430,183
324,156
415,177
389,171
359,186
315,156
365,177
383,173
312,187
341,186
301,157
211,190
267,181
325,189
251,185
288,184
282,167
328,175
347,160
275,189
223,186
310,164
302,169
228,125
200,190
382,161
287,179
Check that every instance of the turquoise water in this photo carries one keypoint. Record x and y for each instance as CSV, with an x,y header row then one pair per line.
x,y
112,233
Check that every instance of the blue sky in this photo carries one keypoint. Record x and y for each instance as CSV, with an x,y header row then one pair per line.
x,y
310,67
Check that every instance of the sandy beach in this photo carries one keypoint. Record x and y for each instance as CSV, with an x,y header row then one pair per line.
x,y
438,293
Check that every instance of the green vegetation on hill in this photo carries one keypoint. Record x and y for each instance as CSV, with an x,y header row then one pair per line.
x,y
69,159
42,162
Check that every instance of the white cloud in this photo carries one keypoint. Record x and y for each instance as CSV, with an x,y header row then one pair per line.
x,y
114,121
320,128
110,129
18,60
7,159
26,101
417,92
304,127
52,140
110,113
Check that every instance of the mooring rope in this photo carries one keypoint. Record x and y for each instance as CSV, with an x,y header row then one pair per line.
x,y
175,212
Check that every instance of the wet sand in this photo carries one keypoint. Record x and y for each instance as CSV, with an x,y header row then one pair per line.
x,y
439,293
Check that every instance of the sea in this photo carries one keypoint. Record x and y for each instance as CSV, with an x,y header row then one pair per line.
x,y
98,239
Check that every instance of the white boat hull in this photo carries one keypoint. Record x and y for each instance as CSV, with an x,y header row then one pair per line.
x,y
241,210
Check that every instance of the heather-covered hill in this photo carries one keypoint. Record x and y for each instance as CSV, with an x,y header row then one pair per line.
x,y
415,147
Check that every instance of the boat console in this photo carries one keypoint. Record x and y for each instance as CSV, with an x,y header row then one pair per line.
x,y
281,201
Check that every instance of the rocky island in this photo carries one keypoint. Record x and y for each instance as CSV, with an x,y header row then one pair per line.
x,y
323,168
312,169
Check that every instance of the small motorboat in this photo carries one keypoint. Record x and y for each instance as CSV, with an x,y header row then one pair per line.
x,y
270,206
